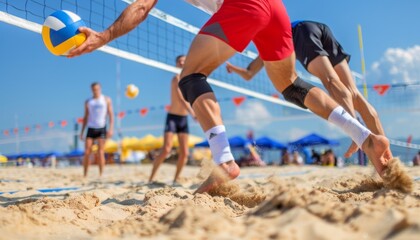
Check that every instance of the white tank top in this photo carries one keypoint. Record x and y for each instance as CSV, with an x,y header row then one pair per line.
x,y
210,6
97,108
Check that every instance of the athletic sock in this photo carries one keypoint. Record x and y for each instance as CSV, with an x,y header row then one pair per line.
x,y
219,144
349,125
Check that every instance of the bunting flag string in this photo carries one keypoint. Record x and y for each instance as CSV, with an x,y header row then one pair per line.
x,y
237,101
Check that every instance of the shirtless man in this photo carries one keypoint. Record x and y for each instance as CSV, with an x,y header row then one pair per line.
x,y
176,123
322,55
97,109
230,29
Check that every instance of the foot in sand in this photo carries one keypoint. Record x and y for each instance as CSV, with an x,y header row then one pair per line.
x,y
377,149
221,174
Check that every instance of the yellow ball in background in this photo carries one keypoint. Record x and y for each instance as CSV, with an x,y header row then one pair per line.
x,y
131,91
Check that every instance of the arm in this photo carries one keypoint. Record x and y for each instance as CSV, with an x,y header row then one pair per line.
x,y
85,118
111,118
132,16
253,68
175,81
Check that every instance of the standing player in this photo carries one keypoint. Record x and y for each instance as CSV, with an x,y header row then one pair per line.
x,y
97,109
230,29
322,55
176,123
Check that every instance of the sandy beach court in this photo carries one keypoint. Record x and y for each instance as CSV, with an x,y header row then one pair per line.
x,y
264,203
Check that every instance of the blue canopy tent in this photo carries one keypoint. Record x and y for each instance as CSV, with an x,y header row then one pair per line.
x,y
266,142
234,142
313,140
74,154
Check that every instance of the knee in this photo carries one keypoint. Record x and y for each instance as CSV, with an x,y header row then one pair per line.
x,y
166,150
183,154
336,87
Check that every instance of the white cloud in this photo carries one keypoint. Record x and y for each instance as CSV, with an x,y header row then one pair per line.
x,y
398,65
296,133
253,114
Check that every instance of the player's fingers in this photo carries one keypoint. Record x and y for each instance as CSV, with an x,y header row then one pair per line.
x,y
85,30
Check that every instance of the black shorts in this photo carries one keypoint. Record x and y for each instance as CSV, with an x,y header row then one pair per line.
x,y
313,39
176,123
96,133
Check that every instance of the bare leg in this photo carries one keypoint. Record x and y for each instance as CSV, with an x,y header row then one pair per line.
x,y
86,157
366,111
206,54
321,67
101,155
282,74
167,146
182,154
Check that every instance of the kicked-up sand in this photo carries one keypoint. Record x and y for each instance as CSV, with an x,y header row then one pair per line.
x,y
263,203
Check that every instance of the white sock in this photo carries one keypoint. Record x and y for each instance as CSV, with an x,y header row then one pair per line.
x,y
349,125
219,144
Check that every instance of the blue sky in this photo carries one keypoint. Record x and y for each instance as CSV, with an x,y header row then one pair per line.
x,y
38,87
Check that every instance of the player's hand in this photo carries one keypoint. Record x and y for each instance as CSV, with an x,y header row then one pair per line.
x,y
109,134
82,138
352,149
229,67
94,40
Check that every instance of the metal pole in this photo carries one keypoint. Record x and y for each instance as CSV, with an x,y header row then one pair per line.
x,y
76,136
118,85
17,134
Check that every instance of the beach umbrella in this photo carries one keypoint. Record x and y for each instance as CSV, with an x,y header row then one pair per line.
x,y
192,141
266,142
147,143
111,146
313,140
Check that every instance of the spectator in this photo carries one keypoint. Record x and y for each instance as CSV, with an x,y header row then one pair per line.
x,y
416,159
316,158
297,159
285,158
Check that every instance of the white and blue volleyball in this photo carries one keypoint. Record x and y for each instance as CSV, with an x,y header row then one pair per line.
x,y
60,32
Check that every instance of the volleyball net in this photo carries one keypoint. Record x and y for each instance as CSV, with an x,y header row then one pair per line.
x,y
161,37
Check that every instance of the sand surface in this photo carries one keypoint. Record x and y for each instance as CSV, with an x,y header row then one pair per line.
x,y
264,203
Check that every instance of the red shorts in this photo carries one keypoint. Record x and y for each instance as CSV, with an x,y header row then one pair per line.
x,y
265,22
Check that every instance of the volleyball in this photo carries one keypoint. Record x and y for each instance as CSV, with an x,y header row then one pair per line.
x,y
131,91
60,32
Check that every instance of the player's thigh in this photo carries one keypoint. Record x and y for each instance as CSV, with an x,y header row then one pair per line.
x,y
321,67
281,73
168,140
229,30
206,54
346,77
88,145
101,143
183,142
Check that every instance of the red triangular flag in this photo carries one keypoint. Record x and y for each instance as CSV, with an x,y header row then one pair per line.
x,y
15,131
238,100
27,129
121,115
144,111
6,132
167,107
79,120
51,124
275,95
63,123
381,89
